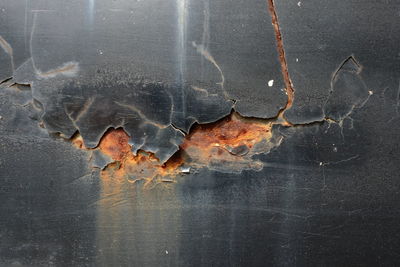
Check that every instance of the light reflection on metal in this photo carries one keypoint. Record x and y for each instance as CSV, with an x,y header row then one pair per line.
x,y
91,4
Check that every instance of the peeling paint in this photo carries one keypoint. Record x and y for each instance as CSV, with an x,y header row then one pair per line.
x,y
227,145
155,131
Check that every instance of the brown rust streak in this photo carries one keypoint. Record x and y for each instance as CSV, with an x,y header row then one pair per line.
x,y
282,57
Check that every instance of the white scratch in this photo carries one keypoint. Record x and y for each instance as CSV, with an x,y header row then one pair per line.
x,y
202,90
341,161
206,54
69,69
8,49
141,114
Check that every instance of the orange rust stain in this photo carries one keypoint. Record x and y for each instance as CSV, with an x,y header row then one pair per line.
x,y
233,131
115,144
143,166
228,143
77,141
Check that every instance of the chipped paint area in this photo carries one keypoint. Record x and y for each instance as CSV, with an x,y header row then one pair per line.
x,y
124,164
227,145
133,167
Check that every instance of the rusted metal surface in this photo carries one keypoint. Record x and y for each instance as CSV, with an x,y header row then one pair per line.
x,y
206,133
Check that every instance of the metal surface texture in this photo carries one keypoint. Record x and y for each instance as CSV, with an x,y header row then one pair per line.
x,y
199,133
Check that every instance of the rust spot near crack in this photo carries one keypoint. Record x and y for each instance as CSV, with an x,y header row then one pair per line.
x,y
77,141
282,58
115,144
231,131
126,165
226,145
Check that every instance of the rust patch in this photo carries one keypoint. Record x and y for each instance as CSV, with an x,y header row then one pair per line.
x,y
77,141
232,131
229,144
142,166
115,144
226,145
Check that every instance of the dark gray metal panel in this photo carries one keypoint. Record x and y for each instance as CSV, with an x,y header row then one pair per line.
x,y
320,35
327,193
108,64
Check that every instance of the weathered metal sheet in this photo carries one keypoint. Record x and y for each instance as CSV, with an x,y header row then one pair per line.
x,y
178,132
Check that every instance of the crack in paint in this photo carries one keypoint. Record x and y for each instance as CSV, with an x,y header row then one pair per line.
x,y
282,57
227,145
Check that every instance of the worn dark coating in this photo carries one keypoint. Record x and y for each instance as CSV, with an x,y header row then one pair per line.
x,y
319,35
163,133
97,75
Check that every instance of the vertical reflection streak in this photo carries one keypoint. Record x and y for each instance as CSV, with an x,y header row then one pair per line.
x,y
182,6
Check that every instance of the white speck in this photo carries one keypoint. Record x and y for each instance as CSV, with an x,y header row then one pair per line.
x,y
100,52
185,170
166,252
297,60
370,92
335,149
320,164
270,83
299,3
